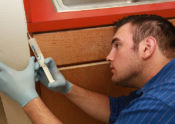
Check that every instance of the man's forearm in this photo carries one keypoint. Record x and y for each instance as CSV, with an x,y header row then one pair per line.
x,y
39,113
94,104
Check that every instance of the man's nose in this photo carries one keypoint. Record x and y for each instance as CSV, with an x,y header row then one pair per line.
x,y
110,56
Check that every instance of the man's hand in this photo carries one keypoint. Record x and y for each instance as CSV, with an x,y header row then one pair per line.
x,y
60,85
19,85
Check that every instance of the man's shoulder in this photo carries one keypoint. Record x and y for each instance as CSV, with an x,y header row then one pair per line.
x,y
161,100
164,94
146,108
161,90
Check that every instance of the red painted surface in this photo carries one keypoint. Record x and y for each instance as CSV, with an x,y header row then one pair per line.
x,y
41,15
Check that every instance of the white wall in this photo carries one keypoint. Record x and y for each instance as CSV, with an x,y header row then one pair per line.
x,y
14,50
13,41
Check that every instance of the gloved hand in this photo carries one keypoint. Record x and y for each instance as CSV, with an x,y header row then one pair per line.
x,y
60,85
19,85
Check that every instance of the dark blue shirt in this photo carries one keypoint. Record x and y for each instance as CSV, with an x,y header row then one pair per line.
x,y
154,103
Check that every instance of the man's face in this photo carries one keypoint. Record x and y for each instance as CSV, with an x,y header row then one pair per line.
x,y
124,60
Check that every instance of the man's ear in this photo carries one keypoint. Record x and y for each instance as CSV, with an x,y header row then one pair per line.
x,y
147,47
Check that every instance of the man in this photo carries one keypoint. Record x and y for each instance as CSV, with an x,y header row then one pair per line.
x,y
141,56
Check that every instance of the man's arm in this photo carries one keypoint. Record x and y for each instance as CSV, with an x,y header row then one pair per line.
x,y
20,86
39,113
94,104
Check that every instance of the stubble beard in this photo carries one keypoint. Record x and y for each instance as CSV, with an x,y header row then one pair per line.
x,y
127,79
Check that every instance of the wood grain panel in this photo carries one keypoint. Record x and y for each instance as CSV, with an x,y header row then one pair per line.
x,y
77,46
95,77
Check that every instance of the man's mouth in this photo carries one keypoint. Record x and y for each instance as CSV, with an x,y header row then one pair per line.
x,y
112,68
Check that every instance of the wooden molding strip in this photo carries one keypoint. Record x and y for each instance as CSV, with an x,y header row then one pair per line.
x,y
83,65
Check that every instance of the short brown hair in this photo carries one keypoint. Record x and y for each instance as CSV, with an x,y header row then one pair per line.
x,y
152,25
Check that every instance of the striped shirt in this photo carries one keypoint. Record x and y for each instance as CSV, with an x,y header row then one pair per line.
x,y
154,103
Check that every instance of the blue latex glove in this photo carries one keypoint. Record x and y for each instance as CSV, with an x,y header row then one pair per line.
x,y
19,85
60,85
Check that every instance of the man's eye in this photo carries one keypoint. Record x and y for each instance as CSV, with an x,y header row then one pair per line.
x,y
117,45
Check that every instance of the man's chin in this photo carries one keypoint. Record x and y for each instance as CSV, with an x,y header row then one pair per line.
x,y
121,83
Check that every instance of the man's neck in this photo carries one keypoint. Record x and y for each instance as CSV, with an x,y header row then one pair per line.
x,y
151,68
